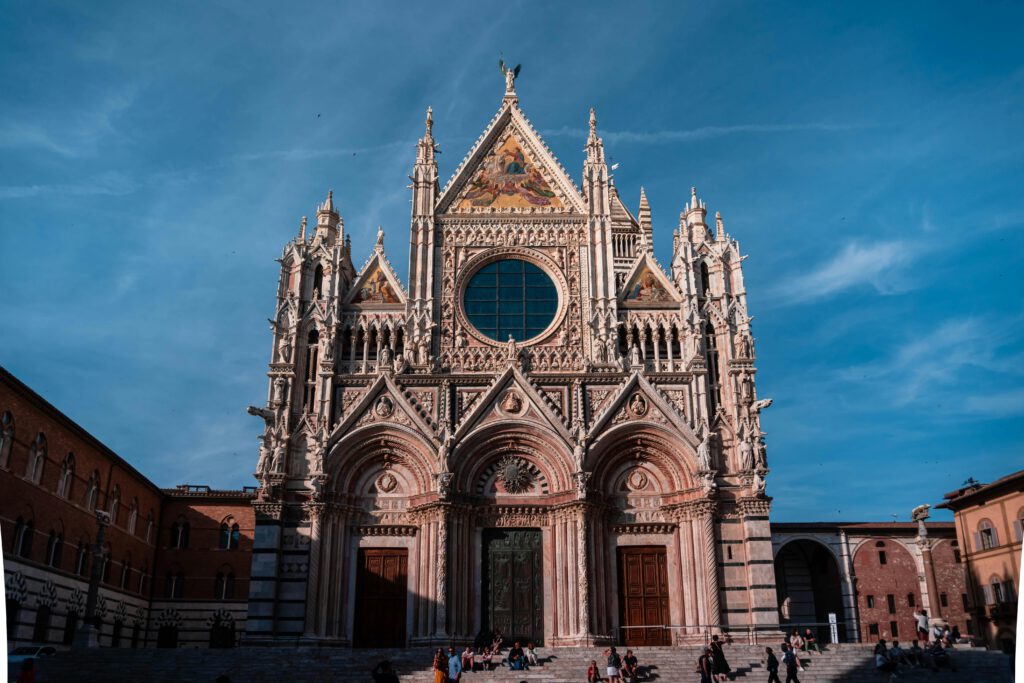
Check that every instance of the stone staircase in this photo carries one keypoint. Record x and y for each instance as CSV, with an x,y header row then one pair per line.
x,y
846,663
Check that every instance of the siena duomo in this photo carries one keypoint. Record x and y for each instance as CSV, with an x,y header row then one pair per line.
x,y
547,432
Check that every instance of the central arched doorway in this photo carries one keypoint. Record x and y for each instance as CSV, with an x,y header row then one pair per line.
x,y
809,588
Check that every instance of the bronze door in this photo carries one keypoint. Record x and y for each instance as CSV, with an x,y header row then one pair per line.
x,y
643,595
381,595
513,584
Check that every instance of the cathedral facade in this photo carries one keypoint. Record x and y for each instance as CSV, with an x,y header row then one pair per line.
x,y
546,433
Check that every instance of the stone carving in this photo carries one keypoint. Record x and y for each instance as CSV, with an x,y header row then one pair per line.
x,y
582,480
400,365
422,350
579,453
512,402
264,459
761,454
638,405
386,482
637,480
514,474
758,406
704,453
634,357
384,407
284,348
746,454
746,346
280,384
759,483
444,484
280,448
384,362
708,483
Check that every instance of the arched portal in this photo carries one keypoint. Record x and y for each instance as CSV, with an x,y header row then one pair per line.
x,y
809,588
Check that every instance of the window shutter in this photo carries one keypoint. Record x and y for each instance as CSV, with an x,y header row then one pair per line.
x,y
977,542
988,594
1008,591
995,538
1018,530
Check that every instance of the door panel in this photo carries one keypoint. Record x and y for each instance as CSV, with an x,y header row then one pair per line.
x,y
381,597
513,600
643,595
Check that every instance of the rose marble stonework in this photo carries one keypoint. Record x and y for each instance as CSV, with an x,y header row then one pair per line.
x,y
548,433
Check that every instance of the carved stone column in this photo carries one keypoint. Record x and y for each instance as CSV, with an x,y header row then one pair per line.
x,y
315,512
583,574
441,590
707,519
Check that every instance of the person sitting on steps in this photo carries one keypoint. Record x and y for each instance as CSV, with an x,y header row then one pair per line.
x,y
531,654
593,673
516,658
630,669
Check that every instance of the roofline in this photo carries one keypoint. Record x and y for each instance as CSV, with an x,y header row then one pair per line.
x,y
975,496
860,526
9,378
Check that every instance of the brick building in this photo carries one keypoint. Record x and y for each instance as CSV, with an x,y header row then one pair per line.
x,y
54,476
989,520
873,576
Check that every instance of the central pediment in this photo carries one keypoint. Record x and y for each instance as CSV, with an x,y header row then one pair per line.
x,y
510,170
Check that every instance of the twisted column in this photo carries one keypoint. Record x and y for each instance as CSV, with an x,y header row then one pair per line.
x,y
583,573
711,565
441,590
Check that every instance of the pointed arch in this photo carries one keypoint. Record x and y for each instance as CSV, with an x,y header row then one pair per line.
x,y
355,460
541,447
659,449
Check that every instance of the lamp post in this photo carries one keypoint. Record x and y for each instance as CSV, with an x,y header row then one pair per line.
x,y
88,635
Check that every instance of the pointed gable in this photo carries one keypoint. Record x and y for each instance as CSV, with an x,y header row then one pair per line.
x,y
384,402
514,397
510,169
647,286
377,284
639,400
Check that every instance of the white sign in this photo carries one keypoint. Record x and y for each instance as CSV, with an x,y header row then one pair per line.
x,y
832,628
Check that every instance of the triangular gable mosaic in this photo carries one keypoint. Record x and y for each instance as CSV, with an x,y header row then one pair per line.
x,y
646,288
507,178
376,288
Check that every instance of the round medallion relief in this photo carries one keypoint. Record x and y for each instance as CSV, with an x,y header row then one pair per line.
x,y
386,482
514,474
638,405
511,402
637,480
384,407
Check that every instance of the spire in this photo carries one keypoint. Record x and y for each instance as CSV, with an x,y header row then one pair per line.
x,y
426,147
302,230
695,213
719,227
328,205
430,123
327,218
645,212
595,147
593,124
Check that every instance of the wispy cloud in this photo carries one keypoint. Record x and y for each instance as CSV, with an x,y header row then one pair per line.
x,y
856,265
305,154
74,132
108,184
702,133
950,358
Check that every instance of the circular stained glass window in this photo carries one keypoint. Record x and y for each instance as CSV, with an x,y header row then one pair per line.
x,y
510,297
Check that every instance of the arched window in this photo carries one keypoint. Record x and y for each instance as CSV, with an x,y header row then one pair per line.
x,y
142,579
312,355
705,279
126,573
149,527
67,477
318,280
36,458
224,584
179,533
115,504
229,534
82,557
882,557
41,632
985,537
23,533
93,492
174,585
54,549
133,516
6,438
714,386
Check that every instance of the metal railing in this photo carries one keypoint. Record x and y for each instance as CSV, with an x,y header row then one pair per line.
x,y
751,634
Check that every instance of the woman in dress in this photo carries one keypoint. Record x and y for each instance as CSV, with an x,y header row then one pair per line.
x,y
440,667
718,661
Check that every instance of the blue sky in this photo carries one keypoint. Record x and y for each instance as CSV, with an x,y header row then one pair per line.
x,y
154,158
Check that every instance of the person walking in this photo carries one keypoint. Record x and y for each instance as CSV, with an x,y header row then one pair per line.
x,y
454,666
771,663
718,660
790,659
922,626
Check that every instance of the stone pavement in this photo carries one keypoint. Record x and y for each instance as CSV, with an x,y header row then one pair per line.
x,y
845,663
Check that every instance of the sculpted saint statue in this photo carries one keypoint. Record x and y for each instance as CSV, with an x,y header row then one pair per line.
x,y
746,454
704,453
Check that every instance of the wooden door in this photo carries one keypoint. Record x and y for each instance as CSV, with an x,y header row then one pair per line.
x,y
513,584
643,595
381,597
